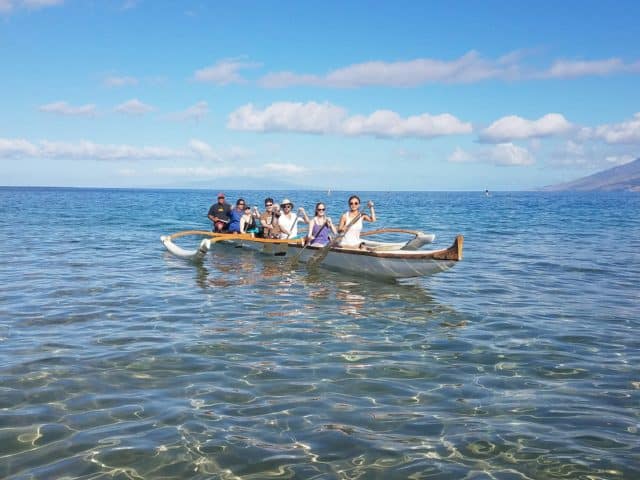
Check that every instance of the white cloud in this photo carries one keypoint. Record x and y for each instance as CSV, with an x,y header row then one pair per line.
x,y
203,150
86,150
120,81
624,132
619,159
508,154
582,68
15,148
41,3
7,6
225,72
503,154
308,117
513,127
312,117
385,123
469,68
194,112
285,168
63,108
134,107
466,69
460,156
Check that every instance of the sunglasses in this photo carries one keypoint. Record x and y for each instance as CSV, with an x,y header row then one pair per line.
x,y
241,204
286,206
320,209
354,203
268,204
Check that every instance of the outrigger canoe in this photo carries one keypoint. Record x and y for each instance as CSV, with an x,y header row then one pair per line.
x,y
383,260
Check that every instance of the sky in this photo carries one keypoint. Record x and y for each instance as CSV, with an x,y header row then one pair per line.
x,y
377,95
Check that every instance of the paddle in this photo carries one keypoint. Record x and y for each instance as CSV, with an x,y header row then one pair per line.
x,y
294,260
324,251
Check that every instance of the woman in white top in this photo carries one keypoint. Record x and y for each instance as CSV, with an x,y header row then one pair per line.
x,y
351,231
288,221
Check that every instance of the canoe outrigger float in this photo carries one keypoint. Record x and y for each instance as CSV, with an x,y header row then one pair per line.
x,y
389,260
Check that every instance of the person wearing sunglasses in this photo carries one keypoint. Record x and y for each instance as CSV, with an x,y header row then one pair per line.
x,y
269,220
352,220
288,220
235,216
320,226
219,214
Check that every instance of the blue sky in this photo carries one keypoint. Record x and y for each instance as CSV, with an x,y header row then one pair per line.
x,y
342,95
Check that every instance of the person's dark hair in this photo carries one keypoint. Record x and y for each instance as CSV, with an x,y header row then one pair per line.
x,y
268,200
356,197
239,201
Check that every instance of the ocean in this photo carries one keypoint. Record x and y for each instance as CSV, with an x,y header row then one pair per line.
x,y
120,361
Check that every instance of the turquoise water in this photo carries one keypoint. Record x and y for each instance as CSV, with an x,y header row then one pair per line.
x,y
118,360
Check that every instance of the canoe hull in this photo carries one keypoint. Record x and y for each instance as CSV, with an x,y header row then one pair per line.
x,y
381,263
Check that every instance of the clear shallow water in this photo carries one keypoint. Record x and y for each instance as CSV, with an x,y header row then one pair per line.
x,y
118,360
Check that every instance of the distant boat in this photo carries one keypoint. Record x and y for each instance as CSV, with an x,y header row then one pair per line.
x,y
329,193
486,193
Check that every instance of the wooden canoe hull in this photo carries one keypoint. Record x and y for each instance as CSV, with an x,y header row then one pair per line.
x,y
384,264
380,263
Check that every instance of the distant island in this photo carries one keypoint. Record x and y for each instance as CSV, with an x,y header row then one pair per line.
x,y
623,178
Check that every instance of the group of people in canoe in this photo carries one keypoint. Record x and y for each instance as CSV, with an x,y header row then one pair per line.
x,y
278,221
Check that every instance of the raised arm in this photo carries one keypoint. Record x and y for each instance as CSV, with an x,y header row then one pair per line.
x,y
372,213
304,215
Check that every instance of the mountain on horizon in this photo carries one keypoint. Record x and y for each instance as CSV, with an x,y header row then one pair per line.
x,y
616,179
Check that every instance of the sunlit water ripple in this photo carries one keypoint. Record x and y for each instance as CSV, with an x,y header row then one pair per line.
x,y
118,360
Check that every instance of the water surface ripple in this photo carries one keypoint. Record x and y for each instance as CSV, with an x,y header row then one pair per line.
x,y
118,360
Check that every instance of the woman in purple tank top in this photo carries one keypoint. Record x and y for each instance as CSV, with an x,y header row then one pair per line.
x,y
319,227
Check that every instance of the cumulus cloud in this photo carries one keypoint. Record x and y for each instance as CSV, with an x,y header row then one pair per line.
x,y
583,68
509,154
385,123
134,107
63,108
325,118
461,156
86,150
469,68
513,127
120,81
224,72
308,117
194,112
503,154
624,132
203,150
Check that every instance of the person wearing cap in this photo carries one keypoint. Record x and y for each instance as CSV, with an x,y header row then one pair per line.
x,y
288,221
219,214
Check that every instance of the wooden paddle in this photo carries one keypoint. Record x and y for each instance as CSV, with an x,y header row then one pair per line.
x,y
294,260
324,251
